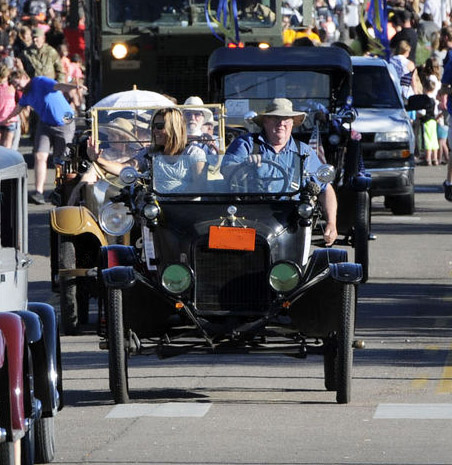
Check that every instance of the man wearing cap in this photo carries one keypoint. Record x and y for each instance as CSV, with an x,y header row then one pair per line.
x,y
40,59
275,143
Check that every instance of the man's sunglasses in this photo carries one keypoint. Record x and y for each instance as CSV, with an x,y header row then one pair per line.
x,y
158,126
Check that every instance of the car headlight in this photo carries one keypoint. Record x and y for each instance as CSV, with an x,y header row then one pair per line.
x,y
115,219
284,276
176,278
119,51
394,136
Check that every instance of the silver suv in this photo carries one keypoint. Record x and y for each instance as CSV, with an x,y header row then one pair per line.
x,y
387,135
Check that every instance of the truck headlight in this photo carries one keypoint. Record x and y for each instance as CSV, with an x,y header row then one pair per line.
x,y
394,136
119,51
284,276
176,278
115,219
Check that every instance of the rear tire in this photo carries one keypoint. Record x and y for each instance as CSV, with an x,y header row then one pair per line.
x,y
7,453
361,232
45,440
345,337
117,355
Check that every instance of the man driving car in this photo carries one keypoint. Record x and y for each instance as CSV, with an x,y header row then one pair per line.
x,y
276,144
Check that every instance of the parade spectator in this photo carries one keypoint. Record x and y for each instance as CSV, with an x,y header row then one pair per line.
x,y
40,59
407,33
7,104
426,27
431,145
55,35
404,67
56,126
23,40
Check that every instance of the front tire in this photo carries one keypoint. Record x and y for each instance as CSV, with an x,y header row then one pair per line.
x,y
345,336
403,204
68,287
45,440
117,354
7,453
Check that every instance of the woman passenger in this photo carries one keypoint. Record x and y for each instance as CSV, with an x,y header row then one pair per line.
x,y
176,166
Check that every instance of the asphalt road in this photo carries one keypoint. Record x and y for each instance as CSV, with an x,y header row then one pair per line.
x,y
215,410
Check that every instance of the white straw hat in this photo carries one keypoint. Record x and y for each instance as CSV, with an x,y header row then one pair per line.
x,y
281,107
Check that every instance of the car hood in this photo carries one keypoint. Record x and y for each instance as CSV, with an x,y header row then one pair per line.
x,y
381,120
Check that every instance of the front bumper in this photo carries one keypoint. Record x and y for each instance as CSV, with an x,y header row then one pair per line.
x,y
391,180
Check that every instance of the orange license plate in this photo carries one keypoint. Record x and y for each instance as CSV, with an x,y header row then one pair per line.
x,y
223,237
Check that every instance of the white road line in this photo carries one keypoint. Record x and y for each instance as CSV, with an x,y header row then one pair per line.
x,y
169,409
414,411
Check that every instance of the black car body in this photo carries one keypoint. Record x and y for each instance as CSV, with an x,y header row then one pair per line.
x,y
225,268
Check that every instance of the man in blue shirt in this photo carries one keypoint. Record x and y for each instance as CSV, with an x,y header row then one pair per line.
x,y
56,125
276,144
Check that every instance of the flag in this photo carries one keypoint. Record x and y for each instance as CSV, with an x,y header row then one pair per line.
x,y
377,15
315,142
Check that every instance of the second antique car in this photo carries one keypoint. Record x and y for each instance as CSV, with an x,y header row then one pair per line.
x,y
226,267
30,369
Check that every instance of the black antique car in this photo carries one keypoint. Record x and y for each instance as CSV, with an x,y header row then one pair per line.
x,y
225,268
318,81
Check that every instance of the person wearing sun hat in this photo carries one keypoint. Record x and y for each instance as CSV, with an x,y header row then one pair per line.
x,y
195,118
275,143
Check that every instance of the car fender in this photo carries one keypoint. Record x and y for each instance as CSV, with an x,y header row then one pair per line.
x,y
48,360
75,220
13,329
119,277
320,260
346,272
6,429
117,255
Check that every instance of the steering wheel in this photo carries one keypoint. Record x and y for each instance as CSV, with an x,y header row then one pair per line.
x,y
244,178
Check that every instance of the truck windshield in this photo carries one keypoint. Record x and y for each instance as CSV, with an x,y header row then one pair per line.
x,y
374,88
187,13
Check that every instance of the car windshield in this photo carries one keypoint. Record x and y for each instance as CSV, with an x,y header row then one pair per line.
x,y
253,90
374,88
186,13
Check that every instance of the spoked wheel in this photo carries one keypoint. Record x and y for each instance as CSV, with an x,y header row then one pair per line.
x,y
117,355
345,337
45,440
361,232
338,352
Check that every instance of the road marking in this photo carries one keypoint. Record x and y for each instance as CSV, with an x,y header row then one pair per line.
x,y
169,409
445,383
421,382
414,412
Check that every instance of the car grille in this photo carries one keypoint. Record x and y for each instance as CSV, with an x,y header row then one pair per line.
x,y
231,280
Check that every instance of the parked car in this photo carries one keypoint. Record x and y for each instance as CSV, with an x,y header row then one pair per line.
x,y
387,135
225,268
31,373
317,81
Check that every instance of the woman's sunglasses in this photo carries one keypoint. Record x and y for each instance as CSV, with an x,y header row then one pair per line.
x,y
158,126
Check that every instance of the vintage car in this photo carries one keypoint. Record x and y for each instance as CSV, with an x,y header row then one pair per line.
x,y
81,190
31,376
225,267
388,139
317,81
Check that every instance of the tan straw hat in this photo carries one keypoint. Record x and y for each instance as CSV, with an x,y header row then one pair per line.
x,y
281,107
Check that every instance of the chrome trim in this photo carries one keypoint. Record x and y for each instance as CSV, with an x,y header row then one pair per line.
x,y
400,168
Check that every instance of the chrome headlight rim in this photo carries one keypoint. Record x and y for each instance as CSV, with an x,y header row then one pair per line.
x,y
168,283
291,273
115,219
151,211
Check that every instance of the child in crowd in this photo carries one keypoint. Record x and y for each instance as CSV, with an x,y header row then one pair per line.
x,y
7,104
431,144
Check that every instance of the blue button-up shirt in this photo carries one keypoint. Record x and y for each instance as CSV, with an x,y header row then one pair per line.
x,y
242,147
